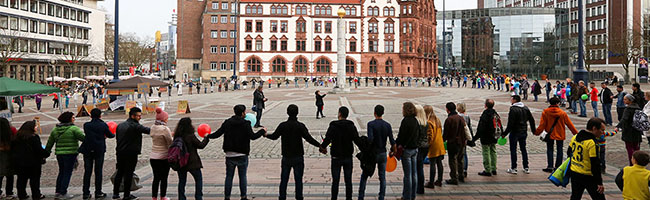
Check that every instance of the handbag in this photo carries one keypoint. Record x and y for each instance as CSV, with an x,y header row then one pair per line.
x,y
254,108
547,135
560,176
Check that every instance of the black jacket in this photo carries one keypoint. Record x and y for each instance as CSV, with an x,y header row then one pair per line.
x,y
409,131
630,134
129,137
258,99
96,132
606,95
639,98
341,134
237,135
319,100
28,153
517,118
485,130
192,144
292,132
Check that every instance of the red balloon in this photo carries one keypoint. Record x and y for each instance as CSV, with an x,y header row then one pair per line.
x,y
112,126
204,129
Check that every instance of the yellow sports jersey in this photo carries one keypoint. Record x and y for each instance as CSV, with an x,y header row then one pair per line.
x,y
582,152
635,183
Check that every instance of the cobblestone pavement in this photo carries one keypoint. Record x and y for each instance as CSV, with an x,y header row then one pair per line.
x,y
264,167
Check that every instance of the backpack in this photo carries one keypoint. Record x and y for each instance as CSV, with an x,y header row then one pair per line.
x,y
177,155
640,121
498,128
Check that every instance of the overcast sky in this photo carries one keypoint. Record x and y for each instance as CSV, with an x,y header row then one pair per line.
x,y
145,17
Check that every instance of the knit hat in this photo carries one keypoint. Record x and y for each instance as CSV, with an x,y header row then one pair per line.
x,y
161,115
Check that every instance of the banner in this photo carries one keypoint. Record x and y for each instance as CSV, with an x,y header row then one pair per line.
x,y
643,70
183,107
127,92
119,102
113,92
129,105
144,88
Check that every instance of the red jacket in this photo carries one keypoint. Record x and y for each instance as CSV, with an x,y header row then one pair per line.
x,y
548,118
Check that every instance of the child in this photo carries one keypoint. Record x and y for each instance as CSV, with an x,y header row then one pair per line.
x,y
633,180
67,99
602,144
563,95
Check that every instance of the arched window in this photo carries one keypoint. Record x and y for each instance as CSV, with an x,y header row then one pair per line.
x,y
259,9
323,65
386,13
392,11
376,9
285,10
389,66
273,10
279,65
248,9
300,65
254,65
304,10
349,65
329,10
373,66
317,10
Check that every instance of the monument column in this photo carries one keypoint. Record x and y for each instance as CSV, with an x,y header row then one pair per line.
x,y
340,54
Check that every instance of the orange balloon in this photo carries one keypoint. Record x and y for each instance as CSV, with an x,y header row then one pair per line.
x,y
391,163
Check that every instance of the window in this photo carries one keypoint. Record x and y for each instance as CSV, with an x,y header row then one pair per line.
x,y
300,27
328,27
389,66
300,65
233,34
349,65
59,11
57,32
317,25
301,45
353,46
258,45
274,26
328,45
353,27
42,7
259,9
233,7
373,46
73,14
249,45
233,49
249,26
274,45
214,34
33,27
253,65
224,6
389,28
373,66
215,5
284,26
283,45
223,66
4,22
233,19
373,27
24,26
389,46
224,19
33,5
50,29
196,66
223,49
42,27
391,11
285,10
323,65
214,19
317,45
213,66
258,26
224,34
232,66
386,12
279,65
213,49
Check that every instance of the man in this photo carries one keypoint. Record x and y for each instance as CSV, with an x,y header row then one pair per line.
x,y
129,145
524,87
517,127
606,99
258,103
456,138
378,132
585,164
620,104
93,148
485,132
548,87
237,135
593,96
581,90
341,133
638,94
292,132
553,121
191,84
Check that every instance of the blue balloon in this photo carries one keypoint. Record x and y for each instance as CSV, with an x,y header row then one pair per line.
x,y
251,118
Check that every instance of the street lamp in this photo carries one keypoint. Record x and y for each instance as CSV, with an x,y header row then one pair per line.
x,y
52,62
537,59
635,56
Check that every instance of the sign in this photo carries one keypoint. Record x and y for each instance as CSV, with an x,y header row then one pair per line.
x,y
6,114
162,89
126,92
119,102
643,70
151,107
183,107
113,92
129,105
144,88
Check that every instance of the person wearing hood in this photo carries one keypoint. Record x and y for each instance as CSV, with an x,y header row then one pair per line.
x,y
341,134
524,87
518,129
292,132
93,148
161,139
485,132
585,164
66,137
537,89
630,135
638,94
237,135
129,146
553,121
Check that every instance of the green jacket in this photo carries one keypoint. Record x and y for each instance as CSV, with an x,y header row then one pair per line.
x,y
66,137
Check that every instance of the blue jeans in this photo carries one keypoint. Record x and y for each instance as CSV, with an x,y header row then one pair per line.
x,y
93,160
521,139
258,117
66,165
574,107
549,153
198,181
346,164
298,165
409,162
594,104
241,163
583,107
607,112
381,171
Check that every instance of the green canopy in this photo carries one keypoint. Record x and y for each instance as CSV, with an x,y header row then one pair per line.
x,y
13,87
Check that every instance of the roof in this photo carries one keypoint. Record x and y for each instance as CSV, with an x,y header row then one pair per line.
x,y
132,83
304,1
14,87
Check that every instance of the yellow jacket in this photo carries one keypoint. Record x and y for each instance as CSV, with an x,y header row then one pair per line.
x,y
436,145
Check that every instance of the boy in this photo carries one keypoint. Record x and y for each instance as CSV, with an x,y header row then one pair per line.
x,y
602,146
633,180
585,163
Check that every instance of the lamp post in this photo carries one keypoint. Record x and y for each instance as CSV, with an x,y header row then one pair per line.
x,y
234,59
444,39
580,74
635,56
537,59
116,46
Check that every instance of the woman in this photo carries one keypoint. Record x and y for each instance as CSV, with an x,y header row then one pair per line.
x,y
423,146
6,168
66,136
407,139
28,155
319,104
630,135
161,138
436,151
185,131
537,89
462,108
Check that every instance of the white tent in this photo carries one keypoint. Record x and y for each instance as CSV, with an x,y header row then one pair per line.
x,y
76,79
55,79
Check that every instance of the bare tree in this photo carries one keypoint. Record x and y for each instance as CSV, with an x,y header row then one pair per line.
x,y
621,45
12,47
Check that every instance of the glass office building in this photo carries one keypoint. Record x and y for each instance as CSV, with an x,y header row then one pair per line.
x,y
531,41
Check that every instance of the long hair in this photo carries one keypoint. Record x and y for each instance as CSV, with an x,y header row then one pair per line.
x,y
26,130
420,115
431,115
184,127
408,109
5,132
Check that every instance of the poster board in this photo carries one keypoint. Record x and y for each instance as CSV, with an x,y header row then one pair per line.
x,y
144,88
119,102
643,70
102,105
183,107
151,107
129,105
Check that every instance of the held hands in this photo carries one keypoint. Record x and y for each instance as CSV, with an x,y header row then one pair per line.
x,y
323,150
601,189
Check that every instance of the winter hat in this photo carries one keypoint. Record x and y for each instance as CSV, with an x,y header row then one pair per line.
x,y
161,115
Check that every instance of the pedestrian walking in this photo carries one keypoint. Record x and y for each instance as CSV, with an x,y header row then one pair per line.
x,y
292,132
436,151
379,132
456,137
66,137
319,104
38,99
7,170
28,155
237,134
258,104
630,135
129,146
486,132
606,98
161,139
620,102
407,141
191,85
518,129
553,121
593,96
93,149
585,164
185,130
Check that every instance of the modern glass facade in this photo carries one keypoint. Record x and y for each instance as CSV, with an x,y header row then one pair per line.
x,y
505,40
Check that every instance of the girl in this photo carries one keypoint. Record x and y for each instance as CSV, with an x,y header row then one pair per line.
x,y
28,155
161,138
436,150
185,131
66,137
407,144
6,168
423,146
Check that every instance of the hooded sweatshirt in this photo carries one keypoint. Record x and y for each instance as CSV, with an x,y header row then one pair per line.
x,y
485,130
585,159
237,135
66,136
549,115
341,134
521,115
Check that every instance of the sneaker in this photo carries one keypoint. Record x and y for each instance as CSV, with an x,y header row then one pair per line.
x,y
548,170
494,172
86,196
484,173
511,171
64,196
526,170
